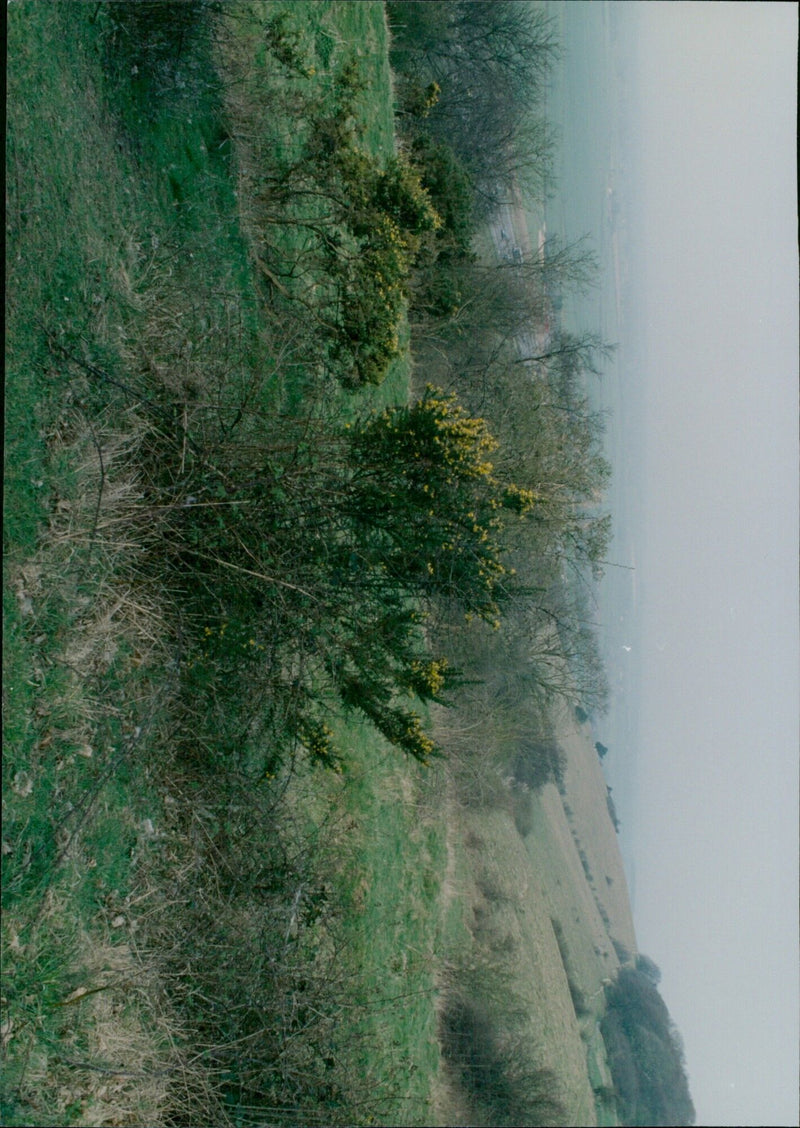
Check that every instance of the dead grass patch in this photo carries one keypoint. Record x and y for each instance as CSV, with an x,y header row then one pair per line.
x,y
91,1043
87,1037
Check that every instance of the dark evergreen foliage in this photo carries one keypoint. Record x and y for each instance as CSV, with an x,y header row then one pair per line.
x,y
645,1052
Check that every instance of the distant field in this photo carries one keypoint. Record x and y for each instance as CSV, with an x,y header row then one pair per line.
x,y
534,910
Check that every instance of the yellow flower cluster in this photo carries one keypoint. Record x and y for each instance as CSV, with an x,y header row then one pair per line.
x,y
518,499
417,742
465,440
432,675
386,233
318,739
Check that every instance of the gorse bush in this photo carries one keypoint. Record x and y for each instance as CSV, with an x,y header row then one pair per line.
x,y
426,494
359,221
313,571
388,212
450,190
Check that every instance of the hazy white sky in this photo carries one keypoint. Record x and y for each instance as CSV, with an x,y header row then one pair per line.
x,y
715,833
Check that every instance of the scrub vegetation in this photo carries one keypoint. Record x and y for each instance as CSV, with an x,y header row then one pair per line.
x,y
250,549
645,1050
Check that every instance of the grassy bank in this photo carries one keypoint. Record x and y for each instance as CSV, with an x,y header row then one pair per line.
x,y
163,907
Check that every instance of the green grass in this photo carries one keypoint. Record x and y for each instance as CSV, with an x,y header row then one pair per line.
x,y
69,805
393,928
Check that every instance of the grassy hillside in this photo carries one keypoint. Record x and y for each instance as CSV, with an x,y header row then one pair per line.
x,y
158,908
228,898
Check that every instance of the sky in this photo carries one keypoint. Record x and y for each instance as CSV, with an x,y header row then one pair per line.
x,y
714,830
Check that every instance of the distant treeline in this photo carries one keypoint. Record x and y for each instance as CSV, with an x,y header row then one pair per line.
x,y
470,81
645,1051
486,63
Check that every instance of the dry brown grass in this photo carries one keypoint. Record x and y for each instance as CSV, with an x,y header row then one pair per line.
x,y
117,1058
585,793
90,555
124,1079
90,1037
